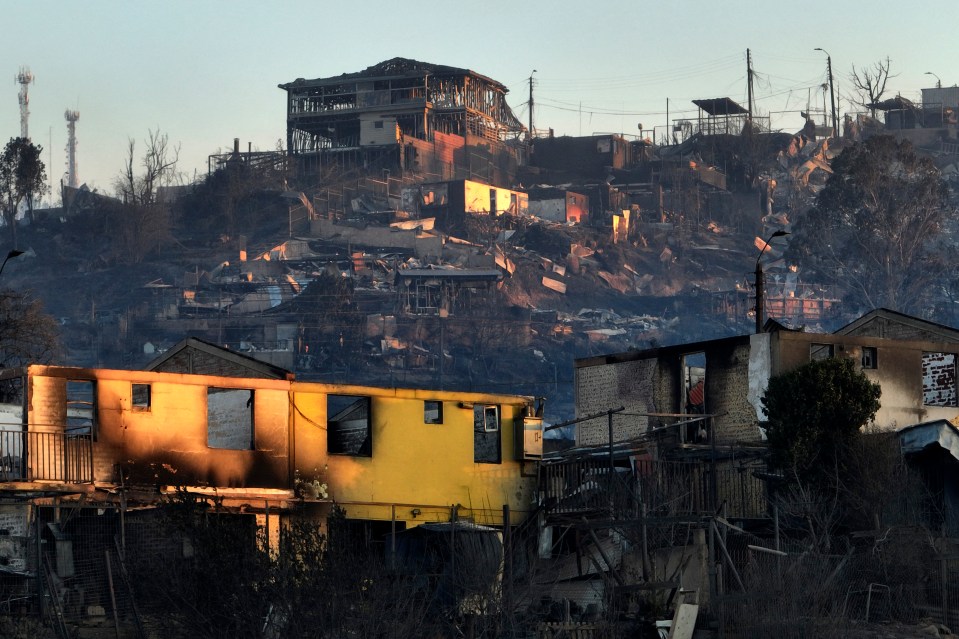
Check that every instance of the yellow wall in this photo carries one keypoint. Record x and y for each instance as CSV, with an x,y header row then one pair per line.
x,y
477,199
415,466
167,444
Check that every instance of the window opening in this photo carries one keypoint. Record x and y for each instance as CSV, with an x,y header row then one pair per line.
x,y
432,412
348,426
229,418
869,357
487,444
141,396
81,408
820,351
939,379
693,396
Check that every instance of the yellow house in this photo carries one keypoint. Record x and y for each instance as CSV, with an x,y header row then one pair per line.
x,y
263,445
416,456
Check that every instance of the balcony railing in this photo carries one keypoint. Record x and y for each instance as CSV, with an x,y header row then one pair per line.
x,y
35,456
662,488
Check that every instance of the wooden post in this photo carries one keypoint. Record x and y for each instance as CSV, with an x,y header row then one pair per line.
x,y
507,570
113,596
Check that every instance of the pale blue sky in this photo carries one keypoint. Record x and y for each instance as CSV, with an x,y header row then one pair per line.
x,y
205,72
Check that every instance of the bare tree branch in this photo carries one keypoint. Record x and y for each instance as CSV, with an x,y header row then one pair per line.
x,y
870,83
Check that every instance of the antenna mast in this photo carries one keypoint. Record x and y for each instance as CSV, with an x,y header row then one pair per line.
x,y
73,180
24,79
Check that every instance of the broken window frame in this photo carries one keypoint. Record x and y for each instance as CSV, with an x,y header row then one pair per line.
x,y
83,404
870,358
226,442
432,412
819,351
939,398
487,443
141,397
693,368
343,405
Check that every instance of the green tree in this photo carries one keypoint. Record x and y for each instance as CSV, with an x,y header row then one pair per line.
x,y
22,175
815,413
875,230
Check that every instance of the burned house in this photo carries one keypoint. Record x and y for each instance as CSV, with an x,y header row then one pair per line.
x,y
405,116
451,201
444,292
913,360
585,157
559,205
88,455
672,437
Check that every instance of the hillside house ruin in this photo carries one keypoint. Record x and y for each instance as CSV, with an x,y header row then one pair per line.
x,y
407,116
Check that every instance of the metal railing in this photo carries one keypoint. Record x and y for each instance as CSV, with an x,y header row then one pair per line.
x,y
659,487
43,456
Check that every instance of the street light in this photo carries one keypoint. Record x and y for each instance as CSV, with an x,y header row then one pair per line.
x,y
938,81
761,280
832,95
13,253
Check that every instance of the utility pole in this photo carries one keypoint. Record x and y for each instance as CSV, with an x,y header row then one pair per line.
x,y
832,94
531,104
832,97
749,83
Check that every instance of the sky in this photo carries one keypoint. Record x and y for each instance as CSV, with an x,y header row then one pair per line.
x,y
204,72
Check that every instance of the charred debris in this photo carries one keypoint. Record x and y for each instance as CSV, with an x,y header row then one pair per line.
x,y
415,233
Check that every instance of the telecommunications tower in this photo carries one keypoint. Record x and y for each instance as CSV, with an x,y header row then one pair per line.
x,y
24,79
73,181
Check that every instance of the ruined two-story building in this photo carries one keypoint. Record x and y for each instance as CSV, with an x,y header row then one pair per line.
x,y
87,454
669,453
406,116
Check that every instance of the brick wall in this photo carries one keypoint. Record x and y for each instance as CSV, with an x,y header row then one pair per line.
x,y
727,389
607,386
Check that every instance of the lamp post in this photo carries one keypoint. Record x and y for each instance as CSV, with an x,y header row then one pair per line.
x,y
832,95
761,280
938,81
13,253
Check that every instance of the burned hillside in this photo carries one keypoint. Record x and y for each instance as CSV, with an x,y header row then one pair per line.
x,y
414,233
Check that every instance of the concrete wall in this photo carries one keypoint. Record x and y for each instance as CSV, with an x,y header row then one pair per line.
x,y
899,371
